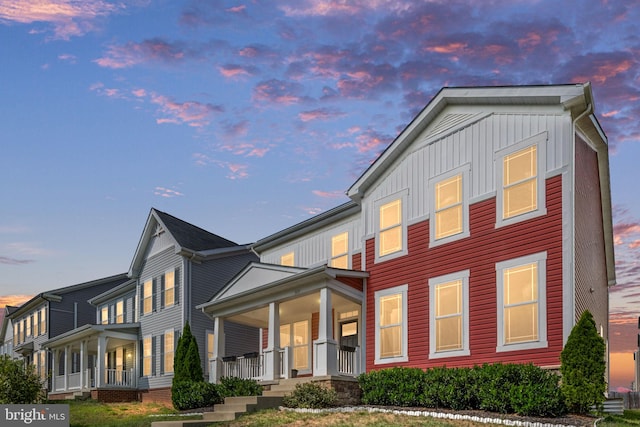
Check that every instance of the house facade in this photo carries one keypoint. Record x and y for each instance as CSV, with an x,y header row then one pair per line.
x,y
479,235
126,350
50,314
6,332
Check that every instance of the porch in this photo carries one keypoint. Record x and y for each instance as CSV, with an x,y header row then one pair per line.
x,y
94,357
311,323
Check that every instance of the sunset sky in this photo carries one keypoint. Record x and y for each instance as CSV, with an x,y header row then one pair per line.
x,y
246,117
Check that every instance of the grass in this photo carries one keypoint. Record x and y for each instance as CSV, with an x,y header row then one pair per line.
x,y
135,414
91,413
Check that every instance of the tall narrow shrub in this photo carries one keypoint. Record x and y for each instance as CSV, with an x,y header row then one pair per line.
x,y
180,372
583,366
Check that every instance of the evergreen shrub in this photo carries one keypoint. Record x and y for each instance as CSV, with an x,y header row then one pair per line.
x,y
189,394
583,366
234,386
19,384
310,395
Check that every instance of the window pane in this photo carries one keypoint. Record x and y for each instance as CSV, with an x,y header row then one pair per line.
x,y
104,315
390,214
449,333
391,341
449,298
520,198
349,329
287,260
340,244
169,288
449,192
390,310
168,351
391,240
521,323
285,336
210,341
300,333
340,262
147,293
120,312
521,284
449,222
520,165
300,357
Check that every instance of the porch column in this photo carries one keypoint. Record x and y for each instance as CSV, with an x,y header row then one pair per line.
x,y
82,363
54,360
100,362
272,352
66,367
325,348
215,370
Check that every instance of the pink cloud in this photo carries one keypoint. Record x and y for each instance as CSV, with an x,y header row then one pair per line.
x,y
624,230
69,18
329,194
192,113
139,93
154,50
369,141
319,114
234,71
278,92
237,9
167,192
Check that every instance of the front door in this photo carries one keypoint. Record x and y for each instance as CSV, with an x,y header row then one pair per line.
x,y
349,333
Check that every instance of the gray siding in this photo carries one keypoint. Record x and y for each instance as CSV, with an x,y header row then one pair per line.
x,y
207,279
160,319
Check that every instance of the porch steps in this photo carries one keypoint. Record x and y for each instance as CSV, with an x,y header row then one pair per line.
x,y
227,411
78,395
285,387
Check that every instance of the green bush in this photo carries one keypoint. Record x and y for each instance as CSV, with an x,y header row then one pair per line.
x,y
509,388
19,384
310,395
583,366
186,363
233,386
194,394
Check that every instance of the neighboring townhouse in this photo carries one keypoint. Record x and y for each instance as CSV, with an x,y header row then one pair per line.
x,y
50,314
126,351
479,235
6,332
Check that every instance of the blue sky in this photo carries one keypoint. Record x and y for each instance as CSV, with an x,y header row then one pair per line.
x,y
245,117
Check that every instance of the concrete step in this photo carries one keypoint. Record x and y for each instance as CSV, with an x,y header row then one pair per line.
x,y
181,423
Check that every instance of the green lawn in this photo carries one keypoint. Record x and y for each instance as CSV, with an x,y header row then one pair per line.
x,y
91,413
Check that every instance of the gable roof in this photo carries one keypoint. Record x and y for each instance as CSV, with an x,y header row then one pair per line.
x,y
576,98
187,238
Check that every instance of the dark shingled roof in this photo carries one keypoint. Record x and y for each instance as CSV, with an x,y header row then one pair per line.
x,y
191,237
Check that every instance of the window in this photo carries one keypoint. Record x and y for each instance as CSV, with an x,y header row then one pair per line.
x,y
340,250
521,176
287,259
147,356
168,351
16,332
296,335
210,347
43,321
391,234
104,315
147,297
42,364
169,288
449,315
120,311
391,325
450,206
29,321
522,303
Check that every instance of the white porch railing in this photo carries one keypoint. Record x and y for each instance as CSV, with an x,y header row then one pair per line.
x,y
249,366
118,377
349,361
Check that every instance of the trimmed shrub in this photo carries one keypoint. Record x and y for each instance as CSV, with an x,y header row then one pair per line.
x,y
583,366
310,395
194,394
394,386
19,384
233,386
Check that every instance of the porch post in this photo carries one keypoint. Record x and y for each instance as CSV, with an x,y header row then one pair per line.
x,y
272,352
82,364
66,367
100,362
325,347
54,360
215,370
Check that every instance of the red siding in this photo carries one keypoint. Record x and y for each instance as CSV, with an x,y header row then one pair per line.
x,y
479,253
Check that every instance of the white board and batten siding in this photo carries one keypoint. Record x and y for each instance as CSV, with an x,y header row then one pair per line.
x,y
473,145
314,249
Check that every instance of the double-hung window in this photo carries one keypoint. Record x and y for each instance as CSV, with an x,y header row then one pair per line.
x,y
449,315
391,325
391,227
521,172
147,356
120,311
450,206
340,250
521,291
169,288
104,315
147,297
168,351
43,321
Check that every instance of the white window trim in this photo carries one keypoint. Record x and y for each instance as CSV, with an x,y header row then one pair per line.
x,y
404,357
433,282
541,260
165,289
164,351
540,141
348,254
402,196
465,172
144,297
